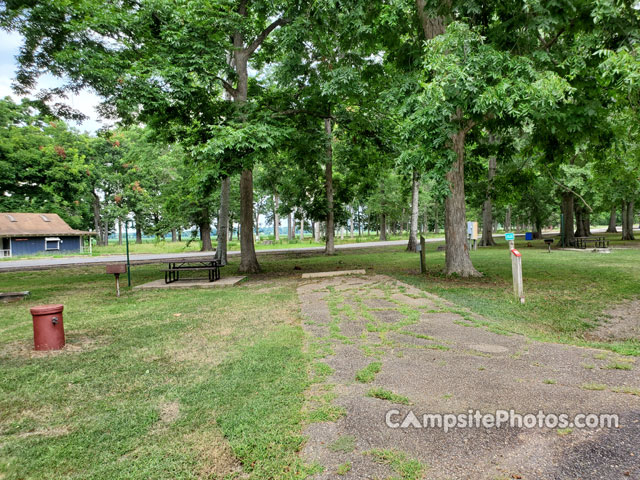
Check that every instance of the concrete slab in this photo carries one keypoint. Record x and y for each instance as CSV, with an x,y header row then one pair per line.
x,y
338,273
479,370
193,283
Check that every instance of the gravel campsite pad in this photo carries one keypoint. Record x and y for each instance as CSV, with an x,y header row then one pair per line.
x,y
384,345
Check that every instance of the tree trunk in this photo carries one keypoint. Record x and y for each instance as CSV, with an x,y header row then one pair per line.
x,y
257,225
507,219
96,217
412,246
138,231
425,221
578,211
276,217
290,232
173,235
119,231
351,225
431,26
631,215
248,260
627,220
457,259
436,226
537,233
328,184
301,227
586,223
223,221
180,234
487,208
205,231
567,210
383,227
105,232
612,221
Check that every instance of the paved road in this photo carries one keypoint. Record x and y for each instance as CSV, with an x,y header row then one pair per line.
x,y
140,259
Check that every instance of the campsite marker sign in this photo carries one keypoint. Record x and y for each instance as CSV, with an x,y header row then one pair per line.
x,y
516,267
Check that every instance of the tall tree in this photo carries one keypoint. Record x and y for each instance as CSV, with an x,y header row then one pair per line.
x,y
459,95
162,62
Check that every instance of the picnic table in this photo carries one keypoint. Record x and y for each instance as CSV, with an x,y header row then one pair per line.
x,y
598,242
212,267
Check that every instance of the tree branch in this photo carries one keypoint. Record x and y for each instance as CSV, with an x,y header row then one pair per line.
x,y
470,124
265,33
568,189
548,44
228,87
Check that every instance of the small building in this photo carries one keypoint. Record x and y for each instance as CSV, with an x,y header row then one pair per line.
x,y
37,233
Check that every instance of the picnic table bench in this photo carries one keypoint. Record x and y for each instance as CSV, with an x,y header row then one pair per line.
x,y
212,267
598,242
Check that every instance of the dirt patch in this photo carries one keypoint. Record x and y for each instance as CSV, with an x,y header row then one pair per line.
x,y
215,458
75,343
201,347
169,412
622,323
46,432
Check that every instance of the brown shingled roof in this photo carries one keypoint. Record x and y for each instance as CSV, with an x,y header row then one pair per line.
x,y
35,224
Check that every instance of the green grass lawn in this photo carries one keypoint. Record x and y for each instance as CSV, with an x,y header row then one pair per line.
x,y
203,383
156,384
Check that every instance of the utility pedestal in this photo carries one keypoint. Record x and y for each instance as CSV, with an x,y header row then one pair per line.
x,y
116,269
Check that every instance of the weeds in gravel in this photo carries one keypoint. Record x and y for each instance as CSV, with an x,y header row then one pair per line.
x,y
368,373
344,444
407,468
383,394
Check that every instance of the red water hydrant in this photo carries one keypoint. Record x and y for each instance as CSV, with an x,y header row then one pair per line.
x,y
48,330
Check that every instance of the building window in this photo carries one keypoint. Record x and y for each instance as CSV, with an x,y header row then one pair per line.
x,y
52,243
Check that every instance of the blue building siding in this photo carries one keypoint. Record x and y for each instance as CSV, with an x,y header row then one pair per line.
x,y
35,245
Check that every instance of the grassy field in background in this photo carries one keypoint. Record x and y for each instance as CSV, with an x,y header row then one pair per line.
x,y
153,246
265,243
202,383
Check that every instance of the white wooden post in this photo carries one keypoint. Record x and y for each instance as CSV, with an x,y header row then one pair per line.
x,y
516,271
516,268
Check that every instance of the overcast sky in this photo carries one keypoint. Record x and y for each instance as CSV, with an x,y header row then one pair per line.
x,y
85,102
